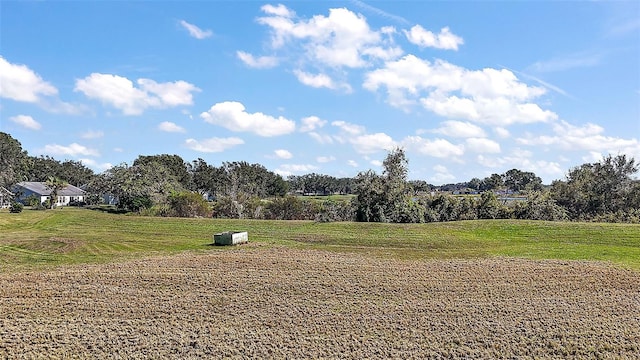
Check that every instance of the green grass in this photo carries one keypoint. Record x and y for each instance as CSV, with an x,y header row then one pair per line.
x,y
66,236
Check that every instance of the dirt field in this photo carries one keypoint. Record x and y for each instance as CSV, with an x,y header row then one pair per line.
x,y
263,302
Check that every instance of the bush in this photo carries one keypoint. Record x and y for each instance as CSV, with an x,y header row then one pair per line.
x,y
16,207
189,204
77,203
32,200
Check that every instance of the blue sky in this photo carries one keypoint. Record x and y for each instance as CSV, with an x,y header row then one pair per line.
x,y
466,88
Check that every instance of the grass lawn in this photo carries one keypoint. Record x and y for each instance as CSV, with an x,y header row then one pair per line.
x,y
70,235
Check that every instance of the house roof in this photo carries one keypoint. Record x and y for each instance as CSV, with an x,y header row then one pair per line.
x,y
4,191
41,189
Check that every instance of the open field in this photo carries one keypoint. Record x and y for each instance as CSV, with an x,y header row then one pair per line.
x,y
84,284
256,301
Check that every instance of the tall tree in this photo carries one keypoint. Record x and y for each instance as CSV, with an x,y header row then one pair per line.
x,y
517,180
173,163
600,188
138,186
13,161
396,187
385,198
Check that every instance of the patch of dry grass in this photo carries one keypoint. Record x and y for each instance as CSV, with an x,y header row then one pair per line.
x,y
275,302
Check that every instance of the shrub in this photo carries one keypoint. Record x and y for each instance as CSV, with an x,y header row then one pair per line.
x,y
32,200
189,204
285,208
16,207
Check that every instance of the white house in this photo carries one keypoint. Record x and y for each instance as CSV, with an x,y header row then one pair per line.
x,y
39,189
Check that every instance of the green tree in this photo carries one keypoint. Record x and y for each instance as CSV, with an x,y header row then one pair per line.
x,y
540,206
493,182
385,198
596,189
176,166
517,180
138,186
488,206
369,201
13,161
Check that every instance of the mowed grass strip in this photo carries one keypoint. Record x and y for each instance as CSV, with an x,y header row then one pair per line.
x,y
69,235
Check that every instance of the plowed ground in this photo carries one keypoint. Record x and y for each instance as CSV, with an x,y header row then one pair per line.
x,y
274,302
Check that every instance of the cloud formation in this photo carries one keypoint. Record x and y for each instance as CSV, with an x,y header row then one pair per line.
x,y
213,145
121,93
232,115
168,126
459,129
588,137
424,38
73,149
26,121
195,31
261,62
283,154
19,83
488,96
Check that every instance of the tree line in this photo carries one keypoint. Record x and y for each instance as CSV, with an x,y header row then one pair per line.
x,y
166,185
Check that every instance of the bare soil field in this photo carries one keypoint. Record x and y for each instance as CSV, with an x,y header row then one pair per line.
x,y
259,301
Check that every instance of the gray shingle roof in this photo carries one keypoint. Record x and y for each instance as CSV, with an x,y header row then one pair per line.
x,y
41,188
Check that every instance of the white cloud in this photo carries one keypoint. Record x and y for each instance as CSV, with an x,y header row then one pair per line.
x,y
348,128
311,123
439,148
96,165
71,150
168,126
261,62
588,137
325,159
501,132
441,169
19,83
26,121
372,143
424,38
352,163
291,169
321,138
442,175
593,157
341,39
278,10
195,31
320,81
283,154
460,129
232,115
482,145
91,134
487,96
120,92
213,145
376,163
